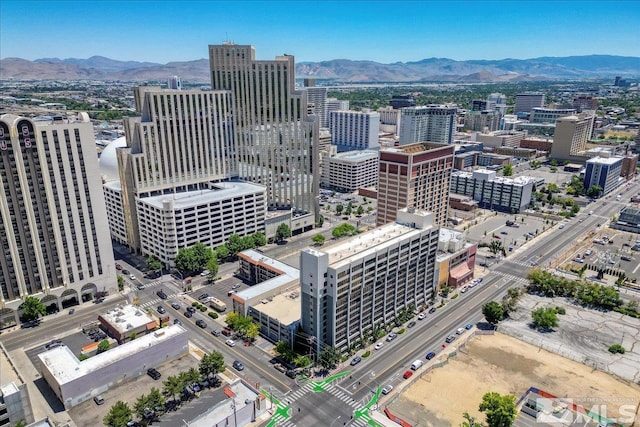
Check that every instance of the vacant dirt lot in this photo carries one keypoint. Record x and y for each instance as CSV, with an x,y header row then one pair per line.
x,y
506,365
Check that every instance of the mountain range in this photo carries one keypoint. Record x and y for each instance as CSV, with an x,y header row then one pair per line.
x,y
337,70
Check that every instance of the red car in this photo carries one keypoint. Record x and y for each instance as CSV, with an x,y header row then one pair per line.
x,y
407,374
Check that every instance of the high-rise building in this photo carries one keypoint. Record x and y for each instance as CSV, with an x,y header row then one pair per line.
x,y
482,120
276,137
603,172
549,115
54,235
347,172
354,130
175,174
351,288
497,101
415,176
174,83
512,195
528,100
317,96
334,104
433,123
571,135
402,101
585,102
479,105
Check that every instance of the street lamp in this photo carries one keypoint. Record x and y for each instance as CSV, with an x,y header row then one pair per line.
x,y
337,418
235,417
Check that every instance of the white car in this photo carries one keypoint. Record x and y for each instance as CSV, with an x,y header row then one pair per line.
x,y
422,316
460,331
387,389
378,346
464,289
230,343
132,277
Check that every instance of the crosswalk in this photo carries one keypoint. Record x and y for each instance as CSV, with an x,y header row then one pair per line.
x,y
513,278
343,396
156,301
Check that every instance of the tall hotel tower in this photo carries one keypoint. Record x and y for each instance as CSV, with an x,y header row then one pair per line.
x,y
276,136
415,176
53,233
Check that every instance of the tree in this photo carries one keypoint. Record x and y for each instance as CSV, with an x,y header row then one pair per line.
x,y
545,318
302,361
141,404
222,252
213,268
329,357
259,239
103,346
318,239
234,245
283,350
594,191
119,415
172,386
154,263
360,210
339,209
348,211
496,247
202,254
185,261
283,232
252,331
500,409
469,421
493,312
120,283
32,308
211,363
507,170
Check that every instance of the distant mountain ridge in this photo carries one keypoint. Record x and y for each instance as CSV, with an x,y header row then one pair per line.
x,y
339,70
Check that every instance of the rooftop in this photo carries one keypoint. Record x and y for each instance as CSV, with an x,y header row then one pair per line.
x,y
371,241
287,274
519,180
65,366
354,156
605,160
222,191
126,317
285,306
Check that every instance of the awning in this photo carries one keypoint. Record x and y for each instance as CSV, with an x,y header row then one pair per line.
x,y
460,271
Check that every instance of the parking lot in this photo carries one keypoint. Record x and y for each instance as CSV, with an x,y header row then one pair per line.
x,y
492,227
90,414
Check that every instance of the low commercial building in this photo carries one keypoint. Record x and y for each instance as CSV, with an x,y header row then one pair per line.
x,y
520,153
273,301
15,404
74,381
346,172
539,144
493,192
456,259
629,166
462,203
549,115
500,138
124,322
465,160
491,159
628,220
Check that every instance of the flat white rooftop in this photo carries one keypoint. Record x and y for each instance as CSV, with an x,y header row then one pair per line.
x,y
447,234
605,160
356,156
127,317
222,191
285,306
65,366
287,274
478,173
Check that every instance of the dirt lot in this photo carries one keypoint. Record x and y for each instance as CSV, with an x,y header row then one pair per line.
x,y
506,365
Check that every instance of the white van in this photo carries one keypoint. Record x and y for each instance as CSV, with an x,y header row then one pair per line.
x,y
417,365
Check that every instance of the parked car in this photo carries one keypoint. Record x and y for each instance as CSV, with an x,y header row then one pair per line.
x,y
226,332
215,332
356,360
378,346
118,266
460,331
387,389
201,323
98,399
280,368
392,336
422,316
230,343
161,309
203,297
72,310
432,310
291,373
464,289
411,324
177,322
430,355
407,374
188,314
175,306
132,277
450,339
468,326
191,309
153,373
237,365
125,272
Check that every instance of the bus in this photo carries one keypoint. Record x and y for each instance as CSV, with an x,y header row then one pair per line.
x,y
216,304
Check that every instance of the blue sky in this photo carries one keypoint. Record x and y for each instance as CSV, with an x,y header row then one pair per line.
x,y
382,31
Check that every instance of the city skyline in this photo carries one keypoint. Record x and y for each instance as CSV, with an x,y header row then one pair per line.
x,y
408,31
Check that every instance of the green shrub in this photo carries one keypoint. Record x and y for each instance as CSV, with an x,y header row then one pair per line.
x,y
202,308
366,353
616,348
455,296
401,331
213,315
82,357
344,358
561,310
195,304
